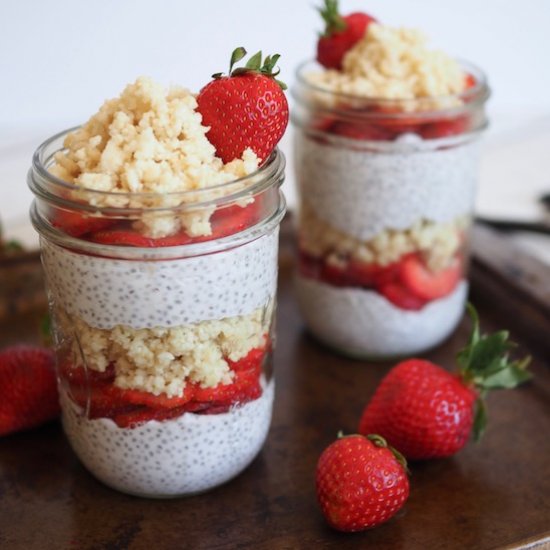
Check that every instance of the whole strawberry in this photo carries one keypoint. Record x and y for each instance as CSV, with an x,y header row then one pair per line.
x,y
246,109
340,35
361,482
29,389
428,412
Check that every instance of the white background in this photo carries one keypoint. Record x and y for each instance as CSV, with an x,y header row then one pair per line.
x,y
60,59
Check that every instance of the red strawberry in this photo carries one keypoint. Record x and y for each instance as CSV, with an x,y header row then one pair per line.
x,y
129,237
309,266
401,297
161,401
445,127
245,109
334,274
77,224
340,35
252,360
80,375
426,284
370,132
361,482
369,274
428,412
469,81
133,418
99,400
232,219
29,388
245,387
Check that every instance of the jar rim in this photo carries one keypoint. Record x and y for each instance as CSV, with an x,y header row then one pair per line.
x,y
475,95
50,188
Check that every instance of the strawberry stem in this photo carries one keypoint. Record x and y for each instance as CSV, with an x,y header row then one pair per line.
x,y
379,441
485,365
332,18
253,65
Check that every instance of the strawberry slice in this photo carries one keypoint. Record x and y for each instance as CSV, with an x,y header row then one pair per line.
x,y
129,237
372,275
426,284
401,297
162,401
334,275
364,131
78,224
245,387
133,418
81,375
233,219
103,399
309,266
252,360
444,128
469,81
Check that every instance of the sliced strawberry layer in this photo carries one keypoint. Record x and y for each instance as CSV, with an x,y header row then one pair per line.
x,y
101,400
77,224
426,284
408,283
129,237
225,221
81,375
233,219
386,127
133,418
129,408
161,401
401,297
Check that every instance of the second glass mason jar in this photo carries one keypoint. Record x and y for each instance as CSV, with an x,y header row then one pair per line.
x,y
387,190
164,346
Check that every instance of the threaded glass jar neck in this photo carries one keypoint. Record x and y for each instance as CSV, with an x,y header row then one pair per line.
x,y
54,195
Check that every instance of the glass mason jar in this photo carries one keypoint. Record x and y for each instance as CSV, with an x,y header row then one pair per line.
x,y
164,346
386,194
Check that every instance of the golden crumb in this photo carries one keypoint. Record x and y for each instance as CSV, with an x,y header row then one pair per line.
x,y
149,140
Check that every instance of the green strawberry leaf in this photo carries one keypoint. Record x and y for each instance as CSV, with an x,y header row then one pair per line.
x,y
484,361
254,65
236,56
333,20
255,62
485,364
480,418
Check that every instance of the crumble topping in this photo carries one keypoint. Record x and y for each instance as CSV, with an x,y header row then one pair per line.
x,y
438,242
395,63
162,360
149,140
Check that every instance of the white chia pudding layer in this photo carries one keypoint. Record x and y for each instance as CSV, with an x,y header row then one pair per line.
x,y
182,456
361,322
106,292
362,192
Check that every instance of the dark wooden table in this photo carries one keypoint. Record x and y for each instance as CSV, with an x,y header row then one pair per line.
x,y
495,494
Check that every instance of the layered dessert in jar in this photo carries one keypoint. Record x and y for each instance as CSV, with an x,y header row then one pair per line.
x,y
386,156
159,243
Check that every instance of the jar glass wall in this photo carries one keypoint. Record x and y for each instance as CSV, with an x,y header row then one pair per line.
x,y
164,345
386,190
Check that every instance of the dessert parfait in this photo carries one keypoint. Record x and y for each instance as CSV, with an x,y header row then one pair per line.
x,y
159,222
386,154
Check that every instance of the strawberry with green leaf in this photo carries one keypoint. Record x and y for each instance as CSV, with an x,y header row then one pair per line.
x,y
361,482
428,412
340,35
245,109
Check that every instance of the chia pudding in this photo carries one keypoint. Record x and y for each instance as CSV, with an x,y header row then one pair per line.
x,y
386,156
161,267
